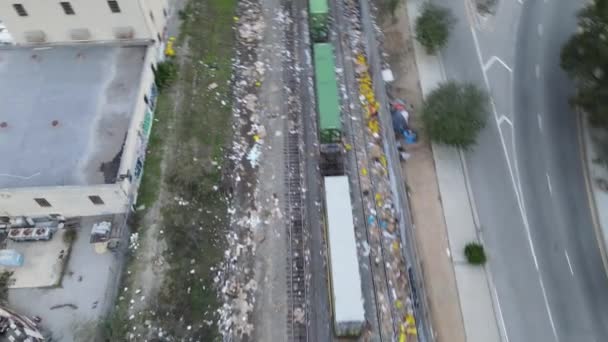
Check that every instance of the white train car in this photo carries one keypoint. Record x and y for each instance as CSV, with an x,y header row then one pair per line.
x,y
345,278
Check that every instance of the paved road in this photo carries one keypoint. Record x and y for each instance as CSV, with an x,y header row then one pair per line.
x,y
526,173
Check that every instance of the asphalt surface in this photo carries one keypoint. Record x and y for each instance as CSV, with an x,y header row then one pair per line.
x,y
526,172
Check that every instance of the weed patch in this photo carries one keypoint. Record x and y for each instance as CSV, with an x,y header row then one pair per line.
x,y
189,141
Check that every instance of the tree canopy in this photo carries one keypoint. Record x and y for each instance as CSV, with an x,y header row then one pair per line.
x,y
454,113
433,27
585,58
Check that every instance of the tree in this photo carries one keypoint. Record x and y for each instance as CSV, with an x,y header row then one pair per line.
x,y
454,113
585,58
433,27
475,253
5,281
166,72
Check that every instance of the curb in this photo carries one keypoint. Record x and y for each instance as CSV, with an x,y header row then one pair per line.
x,y
599,233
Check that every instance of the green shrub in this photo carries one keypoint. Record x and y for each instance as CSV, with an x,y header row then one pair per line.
x,y
475,253
6,279
166,72
69,235
433,27
454,114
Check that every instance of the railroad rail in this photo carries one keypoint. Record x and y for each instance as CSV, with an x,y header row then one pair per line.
x,y
295,210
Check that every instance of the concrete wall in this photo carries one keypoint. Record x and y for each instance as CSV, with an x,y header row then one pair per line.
x,y
70,201
136,143
146,19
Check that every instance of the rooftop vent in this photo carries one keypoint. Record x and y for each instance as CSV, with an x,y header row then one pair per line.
x,y
126,32
80,34
35,36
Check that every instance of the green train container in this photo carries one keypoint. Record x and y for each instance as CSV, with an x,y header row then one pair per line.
x,y
328,101
319,20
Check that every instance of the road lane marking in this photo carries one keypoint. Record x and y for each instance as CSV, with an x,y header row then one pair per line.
x,y
520,203
537,71
502,319
569,264
539,29
540,122
549,183
494,59
20,177
542,287
502,119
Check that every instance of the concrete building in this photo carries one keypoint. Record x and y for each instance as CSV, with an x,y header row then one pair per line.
x,y
78,96
42,21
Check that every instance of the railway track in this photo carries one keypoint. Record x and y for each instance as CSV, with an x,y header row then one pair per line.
x,y
295,210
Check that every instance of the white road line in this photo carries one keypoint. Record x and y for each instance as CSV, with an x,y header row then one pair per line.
x,y
549,183
504,147
540,29
494,59
542,287
502,119
537,71
20,177
569,264
540,122
502,320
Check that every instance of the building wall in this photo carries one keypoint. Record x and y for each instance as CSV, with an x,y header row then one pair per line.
x,y
144,18
69,201
136,143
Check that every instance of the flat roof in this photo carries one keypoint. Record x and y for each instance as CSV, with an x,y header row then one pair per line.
x,y
65,112
345,276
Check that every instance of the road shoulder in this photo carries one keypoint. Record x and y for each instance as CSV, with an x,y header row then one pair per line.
x,y
595,169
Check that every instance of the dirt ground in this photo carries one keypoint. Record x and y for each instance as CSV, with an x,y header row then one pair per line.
x,y
254,287
421,179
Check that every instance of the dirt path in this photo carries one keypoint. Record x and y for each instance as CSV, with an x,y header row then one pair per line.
x,y
423,191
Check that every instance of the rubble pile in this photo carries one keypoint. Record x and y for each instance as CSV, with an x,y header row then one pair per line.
x,y
374,175
235,276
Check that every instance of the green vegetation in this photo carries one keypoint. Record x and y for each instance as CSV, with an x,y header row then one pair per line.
x,y
475,253
191,127
166,73
151,180
69,235
6,278
454,113
433,27
194,233
585,58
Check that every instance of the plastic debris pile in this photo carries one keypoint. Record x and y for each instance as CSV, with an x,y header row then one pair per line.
x,y
381,216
